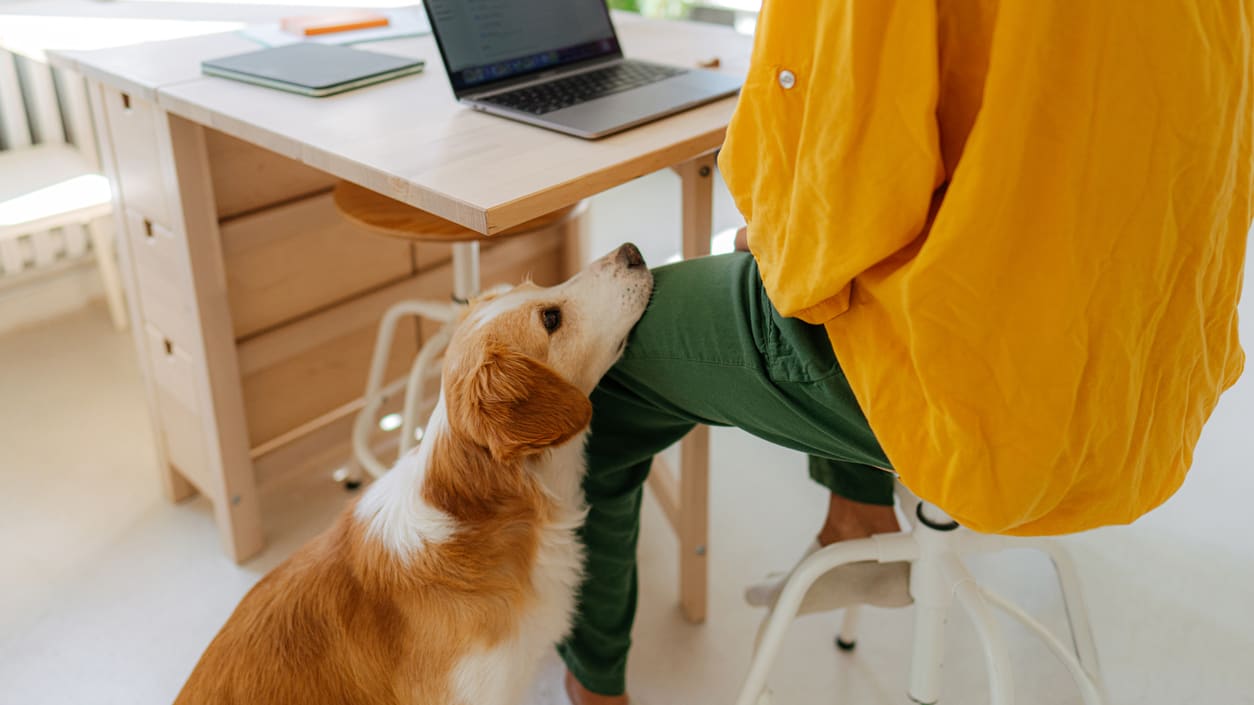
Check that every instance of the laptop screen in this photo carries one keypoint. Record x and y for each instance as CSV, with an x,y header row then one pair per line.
x,y
484,41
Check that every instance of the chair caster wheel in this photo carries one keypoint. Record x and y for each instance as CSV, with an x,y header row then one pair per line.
x,y
351,480
845,645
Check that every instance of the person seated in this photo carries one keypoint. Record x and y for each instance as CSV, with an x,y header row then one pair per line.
x,y
997,250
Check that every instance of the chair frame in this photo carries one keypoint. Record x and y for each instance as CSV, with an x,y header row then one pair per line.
x,y
935,546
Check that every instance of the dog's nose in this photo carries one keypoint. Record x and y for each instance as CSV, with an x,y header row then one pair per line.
x,y
629,255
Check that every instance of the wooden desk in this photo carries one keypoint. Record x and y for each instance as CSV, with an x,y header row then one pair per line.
x,y
193,157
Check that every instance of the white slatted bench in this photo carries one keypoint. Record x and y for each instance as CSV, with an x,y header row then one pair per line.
x,y
53,200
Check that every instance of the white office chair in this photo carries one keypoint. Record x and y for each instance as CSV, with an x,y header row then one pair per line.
x,y
935,545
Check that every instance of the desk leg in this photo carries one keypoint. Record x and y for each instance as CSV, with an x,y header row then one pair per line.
x,y
175,487
693,518
574,242
232,485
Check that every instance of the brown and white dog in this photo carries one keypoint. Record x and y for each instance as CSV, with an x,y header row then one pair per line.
x,y
450,578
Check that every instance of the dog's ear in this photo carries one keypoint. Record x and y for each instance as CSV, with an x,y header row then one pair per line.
x,y
515,405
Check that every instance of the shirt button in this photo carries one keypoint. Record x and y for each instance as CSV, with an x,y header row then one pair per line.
x,y
787,79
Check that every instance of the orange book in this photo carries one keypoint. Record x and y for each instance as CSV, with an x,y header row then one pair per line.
x,y
310,25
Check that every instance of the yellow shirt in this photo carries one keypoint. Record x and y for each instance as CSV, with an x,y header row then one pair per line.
x,y
1023,224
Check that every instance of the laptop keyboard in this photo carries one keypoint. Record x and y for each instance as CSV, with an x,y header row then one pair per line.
x,y
580,88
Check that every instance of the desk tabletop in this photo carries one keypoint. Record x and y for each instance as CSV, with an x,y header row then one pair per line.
x,y
31,28
410,140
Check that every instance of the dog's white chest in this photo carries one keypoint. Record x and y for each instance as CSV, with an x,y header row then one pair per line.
x,y
502,674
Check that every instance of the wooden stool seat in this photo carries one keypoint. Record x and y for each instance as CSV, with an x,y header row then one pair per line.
x,y
392,217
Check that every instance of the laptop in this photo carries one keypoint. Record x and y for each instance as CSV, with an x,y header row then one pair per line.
x,y
557,64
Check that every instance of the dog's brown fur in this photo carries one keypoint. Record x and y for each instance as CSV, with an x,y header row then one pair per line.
x,y
346,621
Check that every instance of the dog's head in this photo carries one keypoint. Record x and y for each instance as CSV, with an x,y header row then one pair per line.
x,y
522,363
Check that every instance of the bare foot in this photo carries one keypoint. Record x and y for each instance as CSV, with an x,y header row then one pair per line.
x,y
580,695
847,519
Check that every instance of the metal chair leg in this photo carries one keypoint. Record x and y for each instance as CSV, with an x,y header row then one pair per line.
x,y
1090,688
778,619
376,393
416,386
1000,676
1073,603
932,593
465,287
803,577
938,576
847,637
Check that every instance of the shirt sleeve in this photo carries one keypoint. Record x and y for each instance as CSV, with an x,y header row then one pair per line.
x,y
832,154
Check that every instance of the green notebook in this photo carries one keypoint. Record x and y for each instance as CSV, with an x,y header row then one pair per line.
x,y
312,69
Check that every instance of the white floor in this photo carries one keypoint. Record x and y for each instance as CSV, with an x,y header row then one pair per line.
x,y
108,594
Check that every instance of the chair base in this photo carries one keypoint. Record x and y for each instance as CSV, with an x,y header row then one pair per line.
x,y
465,287
414,385
938,577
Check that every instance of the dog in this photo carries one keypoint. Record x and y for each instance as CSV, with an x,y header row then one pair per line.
x,y
450,577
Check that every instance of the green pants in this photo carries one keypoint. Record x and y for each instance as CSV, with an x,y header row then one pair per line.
x,y
710,349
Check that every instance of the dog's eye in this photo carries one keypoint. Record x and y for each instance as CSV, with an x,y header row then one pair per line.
x,y
552,318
